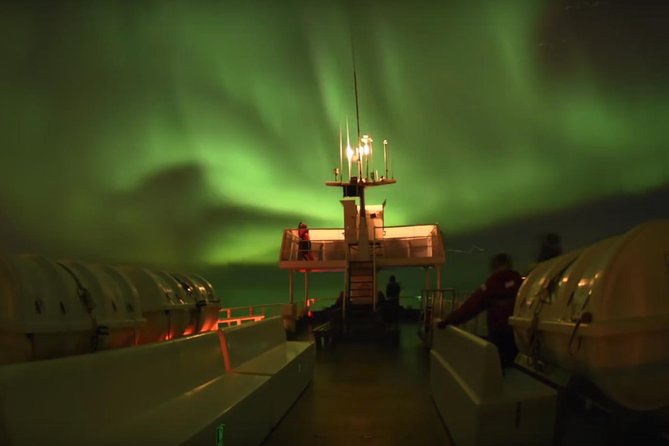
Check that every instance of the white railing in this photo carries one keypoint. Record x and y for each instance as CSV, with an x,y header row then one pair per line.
x,y
239,315
393,242
242,314
436,304
326,244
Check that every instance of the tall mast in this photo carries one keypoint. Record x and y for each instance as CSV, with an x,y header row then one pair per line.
x,y
341,156
355,87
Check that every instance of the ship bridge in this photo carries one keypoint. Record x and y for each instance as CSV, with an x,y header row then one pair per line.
x,y
390,246
364,245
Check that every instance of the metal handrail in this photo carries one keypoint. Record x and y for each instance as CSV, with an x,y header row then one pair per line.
x,y
239,320
251,312
250,309
385,228
436,303
374,296
342,229
291,231
290,246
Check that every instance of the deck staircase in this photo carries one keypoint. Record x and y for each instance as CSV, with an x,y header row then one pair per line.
x,y
361,283
361,317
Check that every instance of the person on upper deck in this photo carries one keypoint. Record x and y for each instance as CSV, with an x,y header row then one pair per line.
x,y
305,242
497,296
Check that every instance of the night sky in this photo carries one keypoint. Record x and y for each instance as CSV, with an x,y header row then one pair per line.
x,y
189,134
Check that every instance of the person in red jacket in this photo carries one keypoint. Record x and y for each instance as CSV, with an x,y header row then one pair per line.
x,y
497,297
305,241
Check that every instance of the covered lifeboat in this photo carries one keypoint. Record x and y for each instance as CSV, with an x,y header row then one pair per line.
x,y
50,309
602,313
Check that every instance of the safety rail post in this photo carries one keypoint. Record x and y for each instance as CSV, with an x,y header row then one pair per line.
x,y
306,287
344,304
291,285
374,269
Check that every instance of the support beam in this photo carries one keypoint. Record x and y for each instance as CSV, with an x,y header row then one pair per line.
x,y
291,285
306,288
438,269
374,292
344,304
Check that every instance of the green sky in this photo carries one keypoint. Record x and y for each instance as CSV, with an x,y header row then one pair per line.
x,y
194,132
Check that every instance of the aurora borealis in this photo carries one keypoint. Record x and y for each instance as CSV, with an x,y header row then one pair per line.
x,y
192,133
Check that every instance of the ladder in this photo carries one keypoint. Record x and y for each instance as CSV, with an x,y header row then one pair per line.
x,y
360,317
361,276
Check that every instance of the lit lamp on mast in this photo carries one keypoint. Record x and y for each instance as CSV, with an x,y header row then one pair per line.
x,y
358,158
349,151
370,155
365,152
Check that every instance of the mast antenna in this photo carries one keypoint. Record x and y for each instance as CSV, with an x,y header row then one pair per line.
x,y
355,87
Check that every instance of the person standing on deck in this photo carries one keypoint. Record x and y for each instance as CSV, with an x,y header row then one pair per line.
x,y
393,289
392,304
551,246
497,296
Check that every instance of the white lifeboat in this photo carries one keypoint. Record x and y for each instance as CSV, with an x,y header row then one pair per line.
x,y
603,313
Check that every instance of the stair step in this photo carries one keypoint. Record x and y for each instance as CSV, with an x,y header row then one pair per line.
x,y
361,292
361,273
358,271
361,268
361,264
361,285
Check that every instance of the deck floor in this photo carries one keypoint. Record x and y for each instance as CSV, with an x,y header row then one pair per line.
x,y
366,394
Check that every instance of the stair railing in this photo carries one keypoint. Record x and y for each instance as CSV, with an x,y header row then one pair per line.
x,y
374,296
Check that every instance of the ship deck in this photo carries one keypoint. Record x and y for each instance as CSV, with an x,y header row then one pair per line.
x,y
366,394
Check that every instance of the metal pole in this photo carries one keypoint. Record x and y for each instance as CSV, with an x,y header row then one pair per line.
x,y
355,86
306,288
348,144
374,293
344,304
371,156
438,268
341,157
385,157
392,167
440,293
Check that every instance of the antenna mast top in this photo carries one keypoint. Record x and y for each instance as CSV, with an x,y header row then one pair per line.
x,y
355,88
361,156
